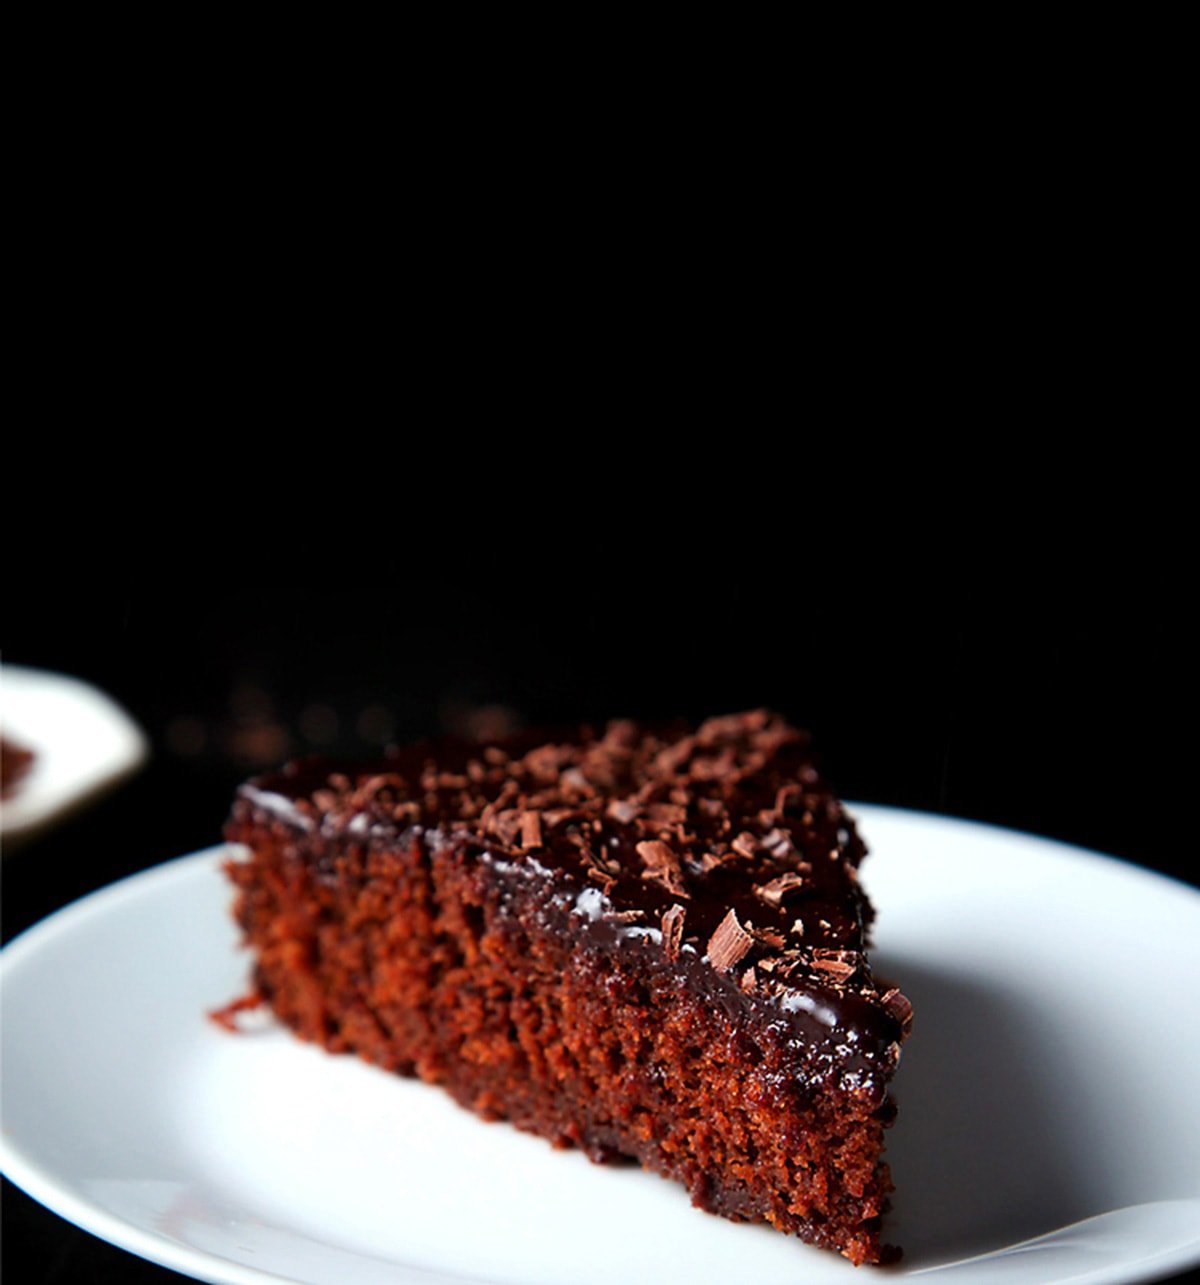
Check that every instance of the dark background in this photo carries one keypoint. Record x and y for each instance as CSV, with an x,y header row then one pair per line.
x,y
1058,701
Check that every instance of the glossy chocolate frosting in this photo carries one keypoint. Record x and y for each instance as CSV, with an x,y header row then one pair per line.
x,y
719,849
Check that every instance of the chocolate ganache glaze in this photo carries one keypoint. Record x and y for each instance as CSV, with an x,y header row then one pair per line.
x,y
718,853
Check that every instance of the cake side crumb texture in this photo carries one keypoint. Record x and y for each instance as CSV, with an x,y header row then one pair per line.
x,y
646,944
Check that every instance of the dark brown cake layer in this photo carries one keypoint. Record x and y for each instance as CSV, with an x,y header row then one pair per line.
x,y
646,944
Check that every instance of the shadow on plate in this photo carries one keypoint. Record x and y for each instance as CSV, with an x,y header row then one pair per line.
x,y
1003,1135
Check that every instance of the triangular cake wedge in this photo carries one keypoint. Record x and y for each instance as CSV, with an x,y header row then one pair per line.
x,y
645,944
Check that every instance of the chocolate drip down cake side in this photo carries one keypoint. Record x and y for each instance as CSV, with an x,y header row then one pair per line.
x,y
640,943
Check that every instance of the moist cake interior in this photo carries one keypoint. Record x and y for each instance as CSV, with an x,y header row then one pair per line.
x,y
647,944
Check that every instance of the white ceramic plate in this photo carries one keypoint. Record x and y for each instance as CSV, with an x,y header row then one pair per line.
x,y
82,742
1048,1125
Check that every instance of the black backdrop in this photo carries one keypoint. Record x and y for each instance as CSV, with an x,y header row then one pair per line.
x,y
1060,705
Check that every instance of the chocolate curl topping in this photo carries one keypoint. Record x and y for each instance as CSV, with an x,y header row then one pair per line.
x,y
768,937
623,810
669,760
672,930
782,795
506,824
779,844
603,878
839,964
662,865
729,944
745,845
774,892
531,830
899,1007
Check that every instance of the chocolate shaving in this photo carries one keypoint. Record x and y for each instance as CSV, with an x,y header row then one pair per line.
x,y
779,844
749,979
574,780
729,944
732,726
839,964
666,814
542,763
600,767
662,866
622,811
590,857
487,820
556,816
531,829
506,824
745,845
768,937
620,734
714,767
606,881
774,892
672,930
899,1007
668,761
655,853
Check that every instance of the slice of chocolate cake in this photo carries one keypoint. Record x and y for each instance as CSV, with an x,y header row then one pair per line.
x,y
15,762
646,945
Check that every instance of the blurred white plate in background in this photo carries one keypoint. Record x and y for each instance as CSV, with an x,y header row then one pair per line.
x,y
82,742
